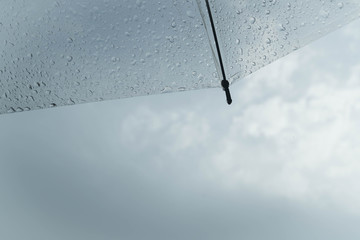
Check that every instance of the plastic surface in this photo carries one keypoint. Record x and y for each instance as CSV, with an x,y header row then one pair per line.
x,y
254,33
64,52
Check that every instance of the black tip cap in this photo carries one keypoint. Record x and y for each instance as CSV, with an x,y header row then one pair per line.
x,y
225,84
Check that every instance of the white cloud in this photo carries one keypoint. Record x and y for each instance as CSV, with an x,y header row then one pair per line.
x,y
294,133
180,130
300,146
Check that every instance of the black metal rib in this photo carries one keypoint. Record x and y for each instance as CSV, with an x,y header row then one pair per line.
x,y
216,39
224,83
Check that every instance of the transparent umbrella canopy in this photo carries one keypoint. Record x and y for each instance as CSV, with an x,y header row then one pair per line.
x,y
55,53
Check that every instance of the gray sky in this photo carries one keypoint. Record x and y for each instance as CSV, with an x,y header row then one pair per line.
x,y
281,163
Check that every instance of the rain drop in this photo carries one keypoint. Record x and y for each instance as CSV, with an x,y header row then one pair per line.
x,y
200,78
71,101
170,38
281,27
324,13
181,89
190,14
166,89
138,3
241,51
11,110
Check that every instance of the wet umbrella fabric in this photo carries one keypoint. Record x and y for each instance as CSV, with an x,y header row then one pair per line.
x,y
253,34
56,53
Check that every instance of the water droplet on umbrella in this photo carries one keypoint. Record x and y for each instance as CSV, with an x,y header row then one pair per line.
x,y
182,89
281,27
190,14
71,101
166,89
170,38
11,110
324,13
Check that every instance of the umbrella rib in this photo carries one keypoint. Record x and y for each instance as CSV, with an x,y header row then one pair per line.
x,y
224,83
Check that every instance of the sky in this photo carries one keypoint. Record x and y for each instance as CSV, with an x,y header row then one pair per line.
x,y
282,162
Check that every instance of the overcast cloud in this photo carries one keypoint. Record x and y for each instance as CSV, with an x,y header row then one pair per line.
x,y
281,163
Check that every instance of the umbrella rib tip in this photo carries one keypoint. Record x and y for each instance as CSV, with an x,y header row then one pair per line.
x,y
225,84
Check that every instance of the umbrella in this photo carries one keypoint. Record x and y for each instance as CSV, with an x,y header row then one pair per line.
x,y
56,53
